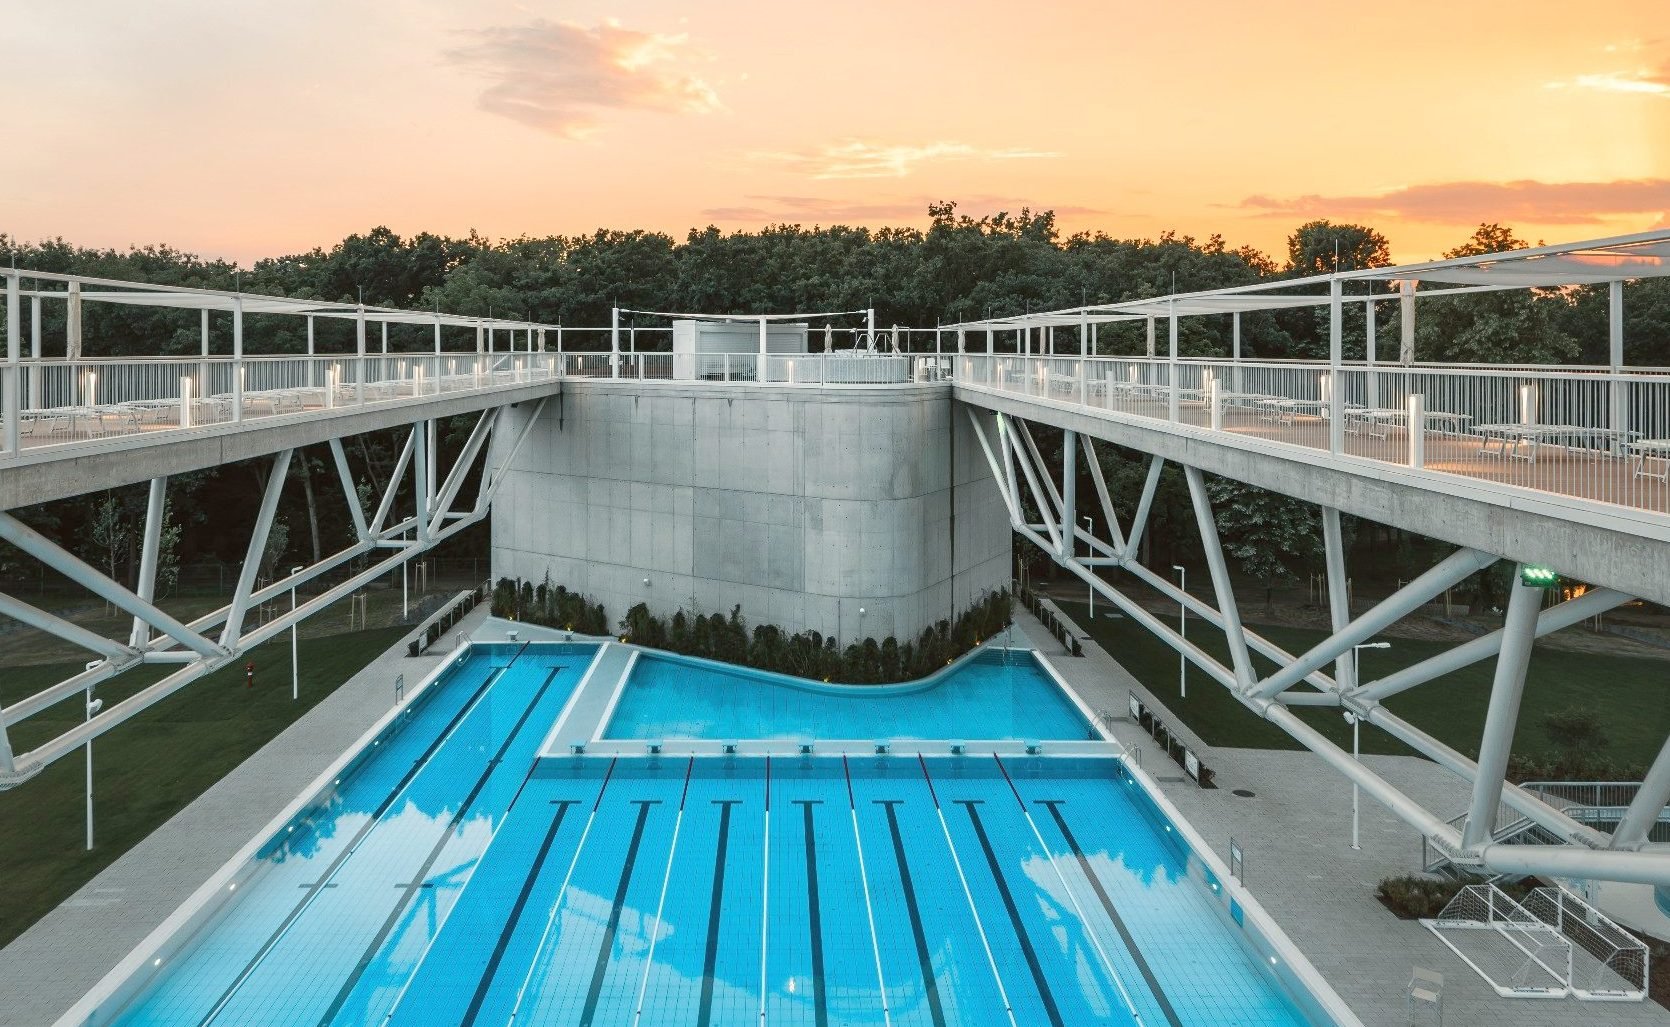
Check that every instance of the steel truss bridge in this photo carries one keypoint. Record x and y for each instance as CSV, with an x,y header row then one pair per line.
x,y
1564,466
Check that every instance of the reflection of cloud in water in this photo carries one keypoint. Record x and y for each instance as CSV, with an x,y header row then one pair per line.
x,y
1069,933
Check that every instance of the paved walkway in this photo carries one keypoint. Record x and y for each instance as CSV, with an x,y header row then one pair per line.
x,y
51,965
1296,835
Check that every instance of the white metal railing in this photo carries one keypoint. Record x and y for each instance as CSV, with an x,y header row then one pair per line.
x,y
837,368
82,400
1589,433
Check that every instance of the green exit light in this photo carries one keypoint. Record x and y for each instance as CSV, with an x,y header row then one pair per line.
x,y
1538,577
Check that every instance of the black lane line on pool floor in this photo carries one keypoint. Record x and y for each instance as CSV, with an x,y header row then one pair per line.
x,y
814,918
411,888
923,958
608,944
710,958
1113,914
509,929
348,850
1027,950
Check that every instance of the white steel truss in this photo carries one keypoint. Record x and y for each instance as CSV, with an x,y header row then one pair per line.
x,y
1585,851
158,637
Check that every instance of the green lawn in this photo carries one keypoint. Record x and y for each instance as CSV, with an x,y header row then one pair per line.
x,y
1630,695
146,770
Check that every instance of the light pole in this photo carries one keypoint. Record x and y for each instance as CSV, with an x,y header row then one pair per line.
x,y
1356,733
93,706
295,671
1182,631
1090,529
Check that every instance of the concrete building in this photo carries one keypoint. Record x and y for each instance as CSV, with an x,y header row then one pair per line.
x,y
852,511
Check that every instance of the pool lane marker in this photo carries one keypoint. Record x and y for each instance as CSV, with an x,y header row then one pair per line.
x,y
1113,914
814,920
661,903
710,957
1084,921
606,947
930,983
765,888
1003,892
556,904
411,888
968,893
324,879
485,983
869,907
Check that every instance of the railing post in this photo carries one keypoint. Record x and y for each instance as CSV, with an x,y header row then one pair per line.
x,y
1216,399
1417,430
1615,349
12,410
359,359
237,358
614,342
1235,350
1172,384
1336,381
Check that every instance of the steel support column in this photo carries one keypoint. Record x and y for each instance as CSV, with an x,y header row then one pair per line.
x,y
257,551
155,509
1649,802
1518,626
1221,585
1339,604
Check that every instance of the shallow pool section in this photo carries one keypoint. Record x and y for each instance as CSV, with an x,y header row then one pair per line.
x,y
995,694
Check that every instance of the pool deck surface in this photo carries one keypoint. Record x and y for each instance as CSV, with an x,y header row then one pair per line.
x,y
1295,832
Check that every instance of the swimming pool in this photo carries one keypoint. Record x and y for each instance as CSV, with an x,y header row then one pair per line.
x,y
449,875
996,693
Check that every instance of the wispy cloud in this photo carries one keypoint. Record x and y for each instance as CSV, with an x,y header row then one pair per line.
x,y
795,209
1526,202
558,76
1640,82
858,158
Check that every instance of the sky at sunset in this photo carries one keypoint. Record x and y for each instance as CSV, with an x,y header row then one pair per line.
x,y
241,130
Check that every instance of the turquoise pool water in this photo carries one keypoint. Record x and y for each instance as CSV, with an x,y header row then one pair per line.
x,y
999,693
453,877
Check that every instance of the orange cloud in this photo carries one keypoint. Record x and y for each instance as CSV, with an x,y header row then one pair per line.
x,y
1529,202
857,158
557,76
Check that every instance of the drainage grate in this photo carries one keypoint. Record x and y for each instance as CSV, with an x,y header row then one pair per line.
x,y
1245,793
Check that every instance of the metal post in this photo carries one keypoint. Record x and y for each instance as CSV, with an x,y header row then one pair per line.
x,y
1090,590
1356,791
237,358
1235,350
763,350
155,506
614,342
1648,803
1518,630
233,628
1339,606
35,347
1372,399
295,668
1222,587
310,346
359,351
89,747
1336,379
421,486
1069,494
1171,368
1417,430
385,336
438,342
1182,632
9,399
1615,352
1406,322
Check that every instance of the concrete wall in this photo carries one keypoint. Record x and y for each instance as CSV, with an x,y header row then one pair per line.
x,y
802,504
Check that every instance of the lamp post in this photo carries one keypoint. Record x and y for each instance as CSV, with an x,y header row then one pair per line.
x,y
295,671
1090,550
1182,631
1356,751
